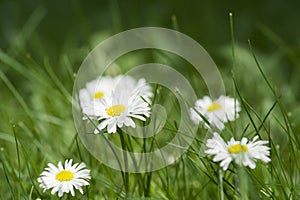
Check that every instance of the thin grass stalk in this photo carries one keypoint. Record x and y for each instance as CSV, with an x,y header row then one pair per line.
x,y
126,174
221,189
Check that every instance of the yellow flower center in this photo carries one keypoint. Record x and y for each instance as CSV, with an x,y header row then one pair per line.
x,y
237,148
214,106
98,95
116,110
64,175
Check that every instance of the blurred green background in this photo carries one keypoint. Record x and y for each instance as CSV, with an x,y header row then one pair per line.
x,y
59,23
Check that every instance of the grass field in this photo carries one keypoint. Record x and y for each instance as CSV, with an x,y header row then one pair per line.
x,y
43,46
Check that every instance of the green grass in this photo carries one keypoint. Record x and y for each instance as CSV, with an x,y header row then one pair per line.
x,y
37,127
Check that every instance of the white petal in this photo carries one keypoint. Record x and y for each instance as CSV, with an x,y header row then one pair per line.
x,y
112,128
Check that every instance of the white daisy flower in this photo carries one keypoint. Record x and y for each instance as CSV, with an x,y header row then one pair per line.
x,y
242,152
138,88
118,111
105,86
217,112
63,179
96,89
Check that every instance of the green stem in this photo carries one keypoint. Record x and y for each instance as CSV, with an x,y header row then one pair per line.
x,y
243,183
232,38
126,175
111,147
233,62
148,175
221,190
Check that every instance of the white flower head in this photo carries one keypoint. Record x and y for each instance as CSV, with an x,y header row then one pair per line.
x,y
217,112
63,179
241,152
96,90
118,110
133,87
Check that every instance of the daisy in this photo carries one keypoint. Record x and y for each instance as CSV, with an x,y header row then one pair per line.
x,y
138,88
217,112
63,179
105,86
96,89
243,152
118,110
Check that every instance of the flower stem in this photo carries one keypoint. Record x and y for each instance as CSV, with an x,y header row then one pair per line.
x,y
243,183
126,175
221,192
